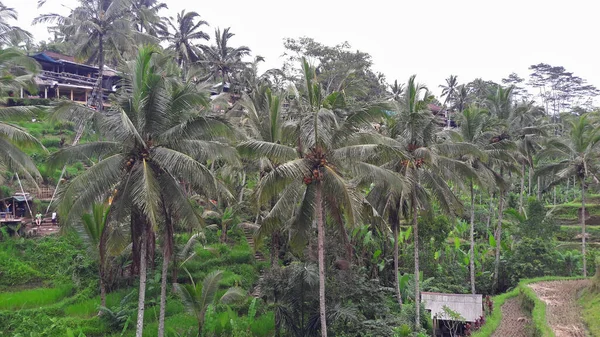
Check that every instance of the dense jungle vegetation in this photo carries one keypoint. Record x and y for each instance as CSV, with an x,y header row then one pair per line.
x,y
206,198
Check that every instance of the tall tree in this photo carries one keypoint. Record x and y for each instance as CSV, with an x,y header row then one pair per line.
x,y
449,90
9,34
477,129
146,18
95,225
16,72
311,180
578,156
157,135
223,60
424,165
186,31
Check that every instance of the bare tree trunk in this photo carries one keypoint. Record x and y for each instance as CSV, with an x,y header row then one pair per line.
x,y
321,252
522,188
101,268
167,252
530,181
472,238
142,293
498,241
100,71
241,195
415,224
490,213
583,227
274,248
394,221
539,188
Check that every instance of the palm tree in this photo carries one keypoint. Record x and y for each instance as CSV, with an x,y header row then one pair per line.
x,y
263,110
221,59
424,165
16,72
157,136
500,105
449,90
98,26
9,33
96,227
186,31
477,128
197,297
146,17
309,180
579,156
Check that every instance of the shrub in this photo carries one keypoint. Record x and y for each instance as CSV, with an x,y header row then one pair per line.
x,y
14,271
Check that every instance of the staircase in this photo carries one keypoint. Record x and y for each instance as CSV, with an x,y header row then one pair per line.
x,y
249,233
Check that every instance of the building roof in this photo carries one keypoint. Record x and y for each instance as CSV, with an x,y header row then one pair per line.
x,y
470,307
57,58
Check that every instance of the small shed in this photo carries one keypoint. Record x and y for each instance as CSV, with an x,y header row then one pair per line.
x,y
470,308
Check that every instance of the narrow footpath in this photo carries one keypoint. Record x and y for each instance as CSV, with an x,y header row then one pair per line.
x,y
514,320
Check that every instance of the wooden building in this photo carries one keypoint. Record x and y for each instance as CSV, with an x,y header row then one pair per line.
x,y
63,77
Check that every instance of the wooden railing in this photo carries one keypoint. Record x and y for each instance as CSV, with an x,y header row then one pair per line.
x,y
44,193
67,78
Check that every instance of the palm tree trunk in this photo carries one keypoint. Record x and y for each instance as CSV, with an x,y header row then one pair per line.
x,y
100,70
530,181
394,221
321,252
167,252
101,271
583,227
415,224
142,293
522,188
274,248
490,213
498,241
472,237
539,189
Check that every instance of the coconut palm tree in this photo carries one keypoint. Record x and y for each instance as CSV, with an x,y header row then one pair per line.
x,y
158,134
185,33
477,128
263,110
8,33
449,90
146,18
198,297
98,27
95,225
413,153
16,72
579,156
221,59
309,180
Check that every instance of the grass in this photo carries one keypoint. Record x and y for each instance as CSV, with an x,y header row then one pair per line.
x,y
89,308
34,298
590,302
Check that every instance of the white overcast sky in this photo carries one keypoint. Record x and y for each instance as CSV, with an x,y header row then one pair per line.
x,y
430,38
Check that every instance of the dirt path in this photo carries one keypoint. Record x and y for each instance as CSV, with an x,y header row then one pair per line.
x,y
562,311
513,321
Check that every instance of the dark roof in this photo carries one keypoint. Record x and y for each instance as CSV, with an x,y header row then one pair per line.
x,y
58,56
45,58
